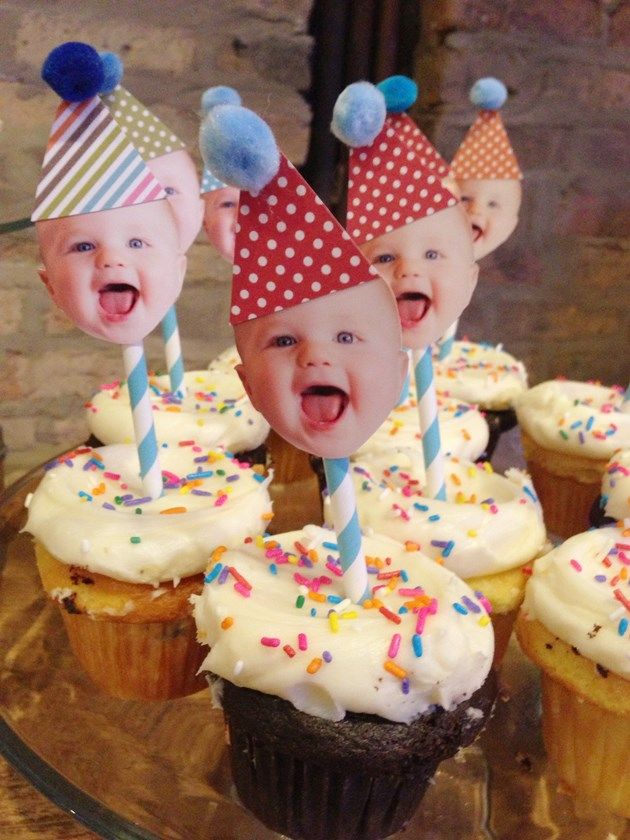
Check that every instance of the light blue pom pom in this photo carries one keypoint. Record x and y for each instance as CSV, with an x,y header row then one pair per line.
x,y
112,71
359,114
489,93
219,95
400,93
238,147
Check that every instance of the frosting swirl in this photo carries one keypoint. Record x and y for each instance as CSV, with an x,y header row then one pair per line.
x,y
579,418
215,411
425,640
481,373
489,522
89,510
581,593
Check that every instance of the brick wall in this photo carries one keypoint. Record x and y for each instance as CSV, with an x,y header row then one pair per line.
x,y
555,294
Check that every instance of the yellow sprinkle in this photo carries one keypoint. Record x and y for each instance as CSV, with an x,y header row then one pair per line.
x,y
488,467
472,472
460,498
174,510
317,596
174,409
227,622
466,434
201,422
333,620
293,559
484,620
267,517
394,669
259,540
472,533
199,379
456,479
349,614
314,665
411,546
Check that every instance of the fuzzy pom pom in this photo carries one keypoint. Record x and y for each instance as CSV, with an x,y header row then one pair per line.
x,y
113,71
219,95
74,71
400,93
238,147
359,114
489,93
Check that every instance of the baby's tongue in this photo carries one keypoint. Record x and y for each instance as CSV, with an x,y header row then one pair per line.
x,y
411,309
323,405
117,300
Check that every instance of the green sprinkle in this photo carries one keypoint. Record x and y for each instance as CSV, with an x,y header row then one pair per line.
x,y
564,434
138,510
135,540
299,603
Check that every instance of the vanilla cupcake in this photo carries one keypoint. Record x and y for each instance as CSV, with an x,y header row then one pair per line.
x,y
215,412
570,430
121,567
488,377
338,714
488,531
613,504
575,625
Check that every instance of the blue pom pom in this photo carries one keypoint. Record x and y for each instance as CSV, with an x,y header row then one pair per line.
x,y
359,114
74,71
238,147
219,95
489,93
113,71
400,93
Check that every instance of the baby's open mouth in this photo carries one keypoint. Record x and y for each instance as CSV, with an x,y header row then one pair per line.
x,y
324,403
118,298
477,232
412,307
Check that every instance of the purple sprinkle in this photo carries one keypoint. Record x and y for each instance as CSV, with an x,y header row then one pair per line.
x,y
131,502
195,492
471,604
108,506
601,578
225,571
405,685
234,477
327,656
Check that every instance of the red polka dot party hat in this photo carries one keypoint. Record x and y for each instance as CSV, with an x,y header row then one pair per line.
x,y
486,151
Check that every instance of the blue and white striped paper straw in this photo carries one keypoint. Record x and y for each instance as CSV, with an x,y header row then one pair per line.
x,y
435,486
445,344
173,352
146,441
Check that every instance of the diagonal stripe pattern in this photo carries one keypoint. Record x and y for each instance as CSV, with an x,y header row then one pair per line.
x,y
146,442
346,524
445,344
173,351
435,486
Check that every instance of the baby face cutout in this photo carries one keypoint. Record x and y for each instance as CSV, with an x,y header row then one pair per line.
x,y
176,172
325,373
219,219
115,273
429,267
492,206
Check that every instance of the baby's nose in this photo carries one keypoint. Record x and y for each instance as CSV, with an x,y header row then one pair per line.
x,y
110,257
314,354
409,268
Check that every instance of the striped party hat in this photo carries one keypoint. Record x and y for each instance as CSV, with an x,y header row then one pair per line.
x,y
90,165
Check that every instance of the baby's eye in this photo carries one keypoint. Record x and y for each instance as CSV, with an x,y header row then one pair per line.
x,y
431,254
345,337
136,243
492,203
170,190
83,246
465,199
283,341
228,204
384,258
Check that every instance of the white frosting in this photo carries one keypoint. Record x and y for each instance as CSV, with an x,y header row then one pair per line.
x,y
457,647
78,511
463,430
616,486
577,592
227,360
488,524
215,411
480,374
575,417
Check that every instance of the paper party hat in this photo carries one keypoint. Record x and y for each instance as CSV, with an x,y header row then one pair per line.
x,y
389,185
486,151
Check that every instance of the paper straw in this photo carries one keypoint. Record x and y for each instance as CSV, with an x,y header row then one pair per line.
x,y
343,506
146,442
173,352
435,486
445,344
404,394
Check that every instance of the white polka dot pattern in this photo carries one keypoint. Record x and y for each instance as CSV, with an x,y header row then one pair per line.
x,y
486,152
289,249
429,156
150,135
389,186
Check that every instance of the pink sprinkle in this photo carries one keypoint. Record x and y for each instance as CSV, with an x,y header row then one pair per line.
x,y
494,509
220,501
576,565
302,641
304,581
403,513
410,593
269,641
421,620
334,569
433,606
394,645
113,476
242,590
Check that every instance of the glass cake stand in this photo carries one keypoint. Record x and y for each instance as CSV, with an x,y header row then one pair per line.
x,y
130,770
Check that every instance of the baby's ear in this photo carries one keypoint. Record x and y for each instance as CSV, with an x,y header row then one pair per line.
x,y
43,276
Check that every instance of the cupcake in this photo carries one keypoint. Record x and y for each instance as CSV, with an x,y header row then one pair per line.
x,y
613,504
487,376
575,625
339,714
569,431
215,412
488,531
121,567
